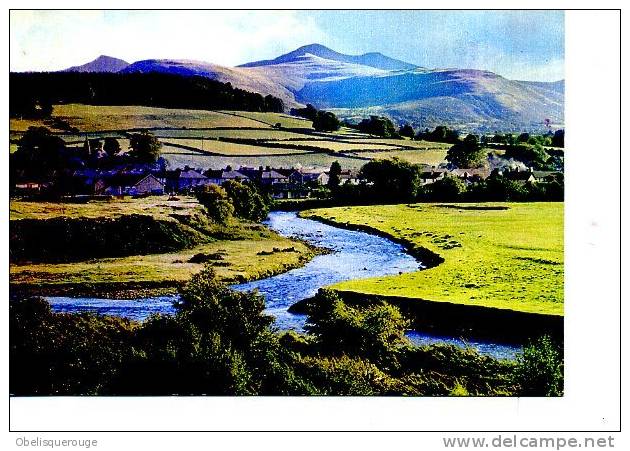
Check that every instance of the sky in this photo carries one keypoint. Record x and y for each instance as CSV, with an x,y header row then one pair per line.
x,y
523,45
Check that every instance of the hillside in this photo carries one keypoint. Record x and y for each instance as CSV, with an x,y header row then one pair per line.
x,y
355,86
101,64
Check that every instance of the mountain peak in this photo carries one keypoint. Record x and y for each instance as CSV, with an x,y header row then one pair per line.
x,y
374,59
103,63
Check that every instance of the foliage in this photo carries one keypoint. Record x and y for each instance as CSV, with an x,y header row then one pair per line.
x,y
62,354
378,125
40,153
32,91
325,121
248,203
540,369
407,131
392,178
532,155
467,153
145,147
441,133
111,146
217,203
374,333
309,112
334,175
558,138
446,189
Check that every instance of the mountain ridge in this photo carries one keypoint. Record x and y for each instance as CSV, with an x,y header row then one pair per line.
x,y
358,85
102,63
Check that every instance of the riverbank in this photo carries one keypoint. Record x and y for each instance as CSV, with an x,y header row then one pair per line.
x,y
238,253
478,255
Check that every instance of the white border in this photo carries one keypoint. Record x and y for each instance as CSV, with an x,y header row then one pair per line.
x,y
592,292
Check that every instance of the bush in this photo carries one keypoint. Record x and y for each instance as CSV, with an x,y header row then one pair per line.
x,y
540,369
247,201
375,333
64,354
217,203
467,153
325,121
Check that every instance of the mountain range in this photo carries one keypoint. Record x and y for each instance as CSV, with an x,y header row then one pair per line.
x,y
355,86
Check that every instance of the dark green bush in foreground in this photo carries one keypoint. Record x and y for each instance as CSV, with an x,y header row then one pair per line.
x,y
220,342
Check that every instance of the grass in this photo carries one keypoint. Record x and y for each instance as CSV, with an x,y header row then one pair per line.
x,y
248,251
228,149
178,158
157,206
241,260
340,146
96,118
431,157
509,259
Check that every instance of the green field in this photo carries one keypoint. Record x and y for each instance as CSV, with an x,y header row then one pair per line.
x,y
229,149
248,251
431,157
503,258
178,158
189,127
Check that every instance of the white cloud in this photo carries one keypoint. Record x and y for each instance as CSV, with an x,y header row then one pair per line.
x,y
51,40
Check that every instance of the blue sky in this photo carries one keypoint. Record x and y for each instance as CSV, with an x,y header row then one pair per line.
x,y
526,45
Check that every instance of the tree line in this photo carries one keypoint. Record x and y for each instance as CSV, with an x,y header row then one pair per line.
x,y
32,95
221,342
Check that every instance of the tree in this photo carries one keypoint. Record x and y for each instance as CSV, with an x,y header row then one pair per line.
x,y
393,178
466,154
217,203
540,369
375,333
111,146
325,121
378,125
309,112
334,175
447,189
247,201
145,147
407,131
530,155
558,138
39,152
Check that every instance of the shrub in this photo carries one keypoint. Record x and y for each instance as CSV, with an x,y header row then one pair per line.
x,y
375,333
540,369
217,203
64,354
247,201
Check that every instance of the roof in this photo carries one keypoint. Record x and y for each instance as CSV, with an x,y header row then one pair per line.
x,y
271,174
191,174
518,175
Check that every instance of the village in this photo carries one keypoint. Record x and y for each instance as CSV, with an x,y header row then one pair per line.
x,y
98,173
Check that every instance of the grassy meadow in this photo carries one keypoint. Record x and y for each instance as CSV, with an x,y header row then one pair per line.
x,y
240,251
506,256
265,146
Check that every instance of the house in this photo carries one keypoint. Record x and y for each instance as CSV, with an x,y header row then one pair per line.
x,y
521,177
186,179
428,177
349,177
271,177
469,175
308,177
545,176
129,185
218,177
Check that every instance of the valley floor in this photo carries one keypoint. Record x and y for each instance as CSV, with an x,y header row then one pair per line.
x,y
505,256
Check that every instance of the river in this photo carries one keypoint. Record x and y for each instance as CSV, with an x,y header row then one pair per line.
x,y
353,255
